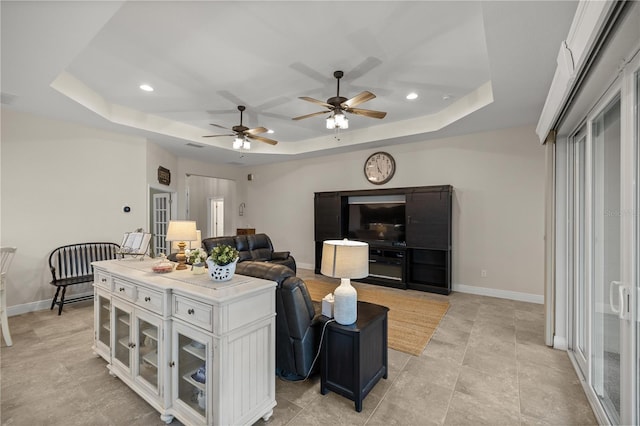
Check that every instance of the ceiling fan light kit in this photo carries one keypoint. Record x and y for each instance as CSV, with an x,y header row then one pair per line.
x,y
337,106
338,121
243,134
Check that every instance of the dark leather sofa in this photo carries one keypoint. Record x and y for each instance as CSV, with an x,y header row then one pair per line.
x,y
256,247
298,327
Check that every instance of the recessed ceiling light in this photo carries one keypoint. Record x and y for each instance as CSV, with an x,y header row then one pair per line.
x,y
411,96
446,97
146,88
270,131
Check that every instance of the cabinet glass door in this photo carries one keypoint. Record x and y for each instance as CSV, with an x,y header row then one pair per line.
x,y
103,322
192,373
122,333
147,353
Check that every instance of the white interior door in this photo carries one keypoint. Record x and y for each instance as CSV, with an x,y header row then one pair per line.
x,y
216,217
161,214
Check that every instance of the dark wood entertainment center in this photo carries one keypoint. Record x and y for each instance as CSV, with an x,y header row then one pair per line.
x,y
422,261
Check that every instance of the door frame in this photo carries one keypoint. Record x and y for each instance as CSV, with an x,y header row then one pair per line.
x,y
173,209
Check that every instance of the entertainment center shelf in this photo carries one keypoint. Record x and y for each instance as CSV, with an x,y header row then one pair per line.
x,y
408,231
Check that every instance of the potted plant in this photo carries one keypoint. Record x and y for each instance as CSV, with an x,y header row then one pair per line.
x,y
222,262
196,257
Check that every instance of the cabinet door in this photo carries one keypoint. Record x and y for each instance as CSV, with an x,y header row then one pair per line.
x,y
192,373
429,219
102,326
328,216
121,339
148,330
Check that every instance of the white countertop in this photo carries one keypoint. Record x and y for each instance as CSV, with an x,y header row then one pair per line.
x,y
184,281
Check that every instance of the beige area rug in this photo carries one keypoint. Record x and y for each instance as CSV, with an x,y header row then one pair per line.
x,y
412,320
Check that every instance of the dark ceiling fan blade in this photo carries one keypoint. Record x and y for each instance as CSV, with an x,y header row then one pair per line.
x,y
367,112
256,131
358,99
263,139
221,127
310,115
215,136
315,101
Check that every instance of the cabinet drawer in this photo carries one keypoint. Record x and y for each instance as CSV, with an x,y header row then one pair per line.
x,y
193,312
103,280
149,299
124,289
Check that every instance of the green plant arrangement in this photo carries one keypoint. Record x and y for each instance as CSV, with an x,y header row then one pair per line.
x,y
196,256
223,255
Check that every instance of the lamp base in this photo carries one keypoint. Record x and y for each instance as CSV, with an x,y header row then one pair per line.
x,y
345,304
180,257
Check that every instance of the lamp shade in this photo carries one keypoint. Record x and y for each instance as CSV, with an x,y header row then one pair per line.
x,y
182,230
345,259
191,244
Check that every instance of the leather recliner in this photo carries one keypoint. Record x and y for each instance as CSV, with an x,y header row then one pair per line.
x,y
257,247
297,324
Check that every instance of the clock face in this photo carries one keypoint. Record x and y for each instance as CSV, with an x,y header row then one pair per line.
x,y
379,168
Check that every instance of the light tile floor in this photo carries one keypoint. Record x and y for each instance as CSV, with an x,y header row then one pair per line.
x,y
485,365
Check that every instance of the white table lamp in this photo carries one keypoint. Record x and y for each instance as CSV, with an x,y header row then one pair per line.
x,y
345,259
181,231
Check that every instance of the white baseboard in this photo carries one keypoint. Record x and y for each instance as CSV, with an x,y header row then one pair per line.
x,y
40,305
502,294
481,291
309,266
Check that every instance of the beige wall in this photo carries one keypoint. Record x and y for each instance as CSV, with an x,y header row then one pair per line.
x,y
54,192
498,208
63,184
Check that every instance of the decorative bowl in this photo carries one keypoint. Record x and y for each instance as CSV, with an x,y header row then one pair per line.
x,y
163,267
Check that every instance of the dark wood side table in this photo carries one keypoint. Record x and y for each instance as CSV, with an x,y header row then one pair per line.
x,y
354,357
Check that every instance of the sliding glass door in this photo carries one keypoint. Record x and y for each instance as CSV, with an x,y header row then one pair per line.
x,y
603,249
634,397
578,245
606,214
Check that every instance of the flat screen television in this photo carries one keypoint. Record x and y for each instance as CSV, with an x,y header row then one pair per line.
x,y
377,222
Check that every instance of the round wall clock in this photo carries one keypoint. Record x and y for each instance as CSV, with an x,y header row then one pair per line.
x,y
379,168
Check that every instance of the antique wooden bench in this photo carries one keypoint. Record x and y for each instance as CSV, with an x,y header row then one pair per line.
x,y
71,264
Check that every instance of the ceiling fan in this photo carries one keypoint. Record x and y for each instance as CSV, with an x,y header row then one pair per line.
x,y
338,105
243,133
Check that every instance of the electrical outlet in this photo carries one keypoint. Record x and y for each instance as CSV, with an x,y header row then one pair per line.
x,y
483,273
